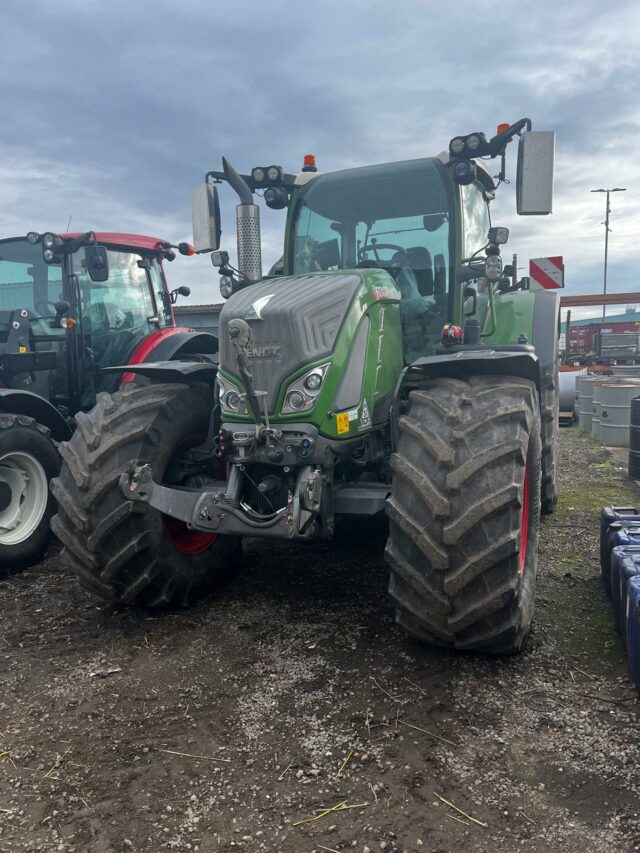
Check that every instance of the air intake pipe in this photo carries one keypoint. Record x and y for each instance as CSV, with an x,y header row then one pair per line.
x,y
247,226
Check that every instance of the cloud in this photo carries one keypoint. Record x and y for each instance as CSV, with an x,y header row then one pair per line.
x,y
111,112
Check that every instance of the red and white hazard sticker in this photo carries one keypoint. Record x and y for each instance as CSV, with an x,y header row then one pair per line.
x,y
547,272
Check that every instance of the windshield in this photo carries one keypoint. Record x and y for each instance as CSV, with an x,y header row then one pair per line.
x,y
124,301
395,216
26,281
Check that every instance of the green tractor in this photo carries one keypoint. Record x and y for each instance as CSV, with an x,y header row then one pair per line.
x,y
395,364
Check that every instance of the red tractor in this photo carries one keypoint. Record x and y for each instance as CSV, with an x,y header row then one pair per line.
x,y
71,307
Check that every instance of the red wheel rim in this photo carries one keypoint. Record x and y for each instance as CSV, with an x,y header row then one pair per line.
x,y
186,541
524,524
189,542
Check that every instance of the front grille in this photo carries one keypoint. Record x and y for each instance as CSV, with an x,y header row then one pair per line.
x,y
264,504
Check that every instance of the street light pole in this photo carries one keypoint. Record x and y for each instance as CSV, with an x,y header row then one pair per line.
x,y
606,236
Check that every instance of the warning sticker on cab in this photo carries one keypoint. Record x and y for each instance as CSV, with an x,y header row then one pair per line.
x,y
342,422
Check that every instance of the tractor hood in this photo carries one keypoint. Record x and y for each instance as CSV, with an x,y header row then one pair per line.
x,y
293,320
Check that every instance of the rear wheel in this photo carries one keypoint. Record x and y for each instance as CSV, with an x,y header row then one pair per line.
x,y
122,550
28,460
464,513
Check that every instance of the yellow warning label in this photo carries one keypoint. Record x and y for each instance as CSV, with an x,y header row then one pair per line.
x,y
22,349
342,422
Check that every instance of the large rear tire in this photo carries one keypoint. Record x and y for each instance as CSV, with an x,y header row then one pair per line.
x,y
28,460
464,513
126,551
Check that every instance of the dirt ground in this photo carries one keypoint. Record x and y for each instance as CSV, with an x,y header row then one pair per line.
x,y
238,724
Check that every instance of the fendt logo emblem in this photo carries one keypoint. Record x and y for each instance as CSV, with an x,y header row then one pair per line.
x,y
255,312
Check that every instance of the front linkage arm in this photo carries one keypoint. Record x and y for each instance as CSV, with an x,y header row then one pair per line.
x,y
217,509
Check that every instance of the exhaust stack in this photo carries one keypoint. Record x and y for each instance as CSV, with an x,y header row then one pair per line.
x,y
247,226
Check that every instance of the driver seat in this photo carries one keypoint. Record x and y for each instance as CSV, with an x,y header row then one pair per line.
x,y
420,262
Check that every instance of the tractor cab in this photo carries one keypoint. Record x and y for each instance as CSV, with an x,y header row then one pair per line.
x,y
73,304
397,217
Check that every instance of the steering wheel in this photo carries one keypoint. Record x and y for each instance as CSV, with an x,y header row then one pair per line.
x,y
373,247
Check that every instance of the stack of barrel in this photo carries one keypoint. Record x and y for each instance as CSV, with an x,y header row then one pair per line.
x,y
609,408
620,563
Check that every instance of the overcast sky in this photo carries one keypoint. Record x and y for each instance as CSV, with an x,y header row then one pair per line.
x,y
111,112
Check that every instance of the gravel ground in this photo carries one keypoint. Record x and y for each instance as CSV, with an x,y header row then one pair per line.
x,y
292,692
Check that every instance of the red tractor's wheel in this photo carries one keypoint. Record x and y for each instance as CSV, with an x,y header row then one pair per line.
x,y
126,551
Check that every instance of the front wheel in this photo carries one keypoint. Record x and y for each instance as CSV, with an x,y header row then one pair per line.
x,y
28,460
464,513
125,551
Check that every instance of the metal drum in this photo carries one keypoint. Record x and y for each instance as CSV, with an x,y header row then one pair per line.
x,y
615,411
634,439
595,412
567,390
585,400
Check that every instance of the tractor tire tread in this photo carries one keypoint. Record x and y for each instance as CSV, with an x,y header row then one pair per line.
x,y
455,529
117,548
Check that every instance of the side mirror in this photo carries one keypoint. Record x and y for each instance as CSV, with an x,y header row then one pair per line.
x,y
469,272
205,212
61,306
433,221
183,290
97,262
471,293
534,180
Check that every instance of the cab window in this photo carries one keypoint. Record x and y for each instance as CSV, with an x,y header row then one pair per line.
x,y
475,219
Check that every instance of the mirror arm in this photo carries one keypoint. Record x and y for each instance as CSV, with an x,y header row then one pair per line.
x,y
498,143
86,239
492,314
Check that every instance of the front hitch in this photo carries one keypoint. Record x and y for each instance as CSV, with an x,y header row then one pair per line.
x,y
218,508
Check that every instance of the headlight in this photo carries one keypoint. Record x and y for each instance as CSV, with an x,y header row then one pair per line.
x,y
226,286
33,237
232,401
296,400
456,145
493,267
48,240
48,256
302,394
473,141
464,172
258,175
229,396
274,173
313,380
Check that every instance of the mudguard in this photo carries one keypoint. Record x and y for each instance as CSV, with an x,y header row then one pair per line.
x,y
172,371
168,345
17,402
462,361
546,329
509,360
